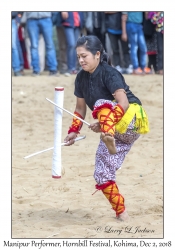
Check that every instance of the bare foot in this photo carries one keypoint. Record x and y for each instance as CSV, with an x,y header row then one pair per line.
x,y
108,139
123,216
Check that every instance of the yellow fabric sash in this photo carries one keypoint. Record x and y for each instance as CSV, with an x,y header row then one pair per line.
x,y
141,125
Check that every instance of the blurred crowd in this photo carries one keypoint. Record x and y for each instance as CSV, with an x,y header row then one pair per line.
x,y
45,41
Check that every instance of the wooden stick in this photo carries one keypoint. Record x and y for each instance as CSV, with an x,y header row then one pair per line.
x,y
62,144
68,112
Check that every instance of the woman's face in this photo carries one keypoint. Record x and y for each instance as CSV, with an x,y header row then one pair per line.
x,y
87,60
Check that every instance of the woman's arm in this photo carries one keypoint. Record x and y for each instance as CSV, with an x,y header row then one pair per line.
x,y
121,98
80,111
81,107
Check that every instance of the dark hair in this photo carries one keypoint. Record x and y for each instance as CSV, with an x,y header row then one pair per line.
x,y
93,44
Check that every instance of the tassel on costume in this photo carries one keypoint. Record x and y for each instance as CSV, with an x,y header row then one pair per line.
x,y
76,124
111,191
141,124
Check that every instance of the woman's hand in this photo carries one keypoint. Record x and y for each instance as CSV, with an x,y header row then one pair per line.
x,y
70,138
95,127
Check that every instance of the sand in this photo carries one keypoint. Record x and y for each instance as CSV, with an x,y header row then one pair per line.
x,y
43,207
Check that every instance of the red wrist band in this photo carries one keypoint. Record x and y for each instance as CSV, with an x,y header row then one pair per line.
x,y
76,124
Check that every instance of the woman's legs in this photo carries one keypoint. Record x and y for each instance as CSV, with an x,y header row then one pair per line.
x,y
108,114
107,164
104,112
111,192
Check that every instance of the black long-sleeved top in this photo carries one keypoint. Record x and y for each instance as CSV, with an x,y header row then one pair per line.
x,y
101,84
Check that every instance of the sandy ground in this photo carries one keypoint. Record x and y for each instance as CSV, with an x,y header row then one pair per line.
x,y
43,207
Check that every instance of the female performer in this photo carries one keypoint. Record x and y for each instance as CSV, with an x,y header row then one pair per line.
x,y
121,117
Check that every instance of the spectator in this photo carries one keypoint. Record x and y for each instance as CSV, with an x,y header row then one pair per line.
x,y
73,23
41,45
41,22
17,58
96,26
114,29
151,41
132,29
21,36
158,19
88,22
62,58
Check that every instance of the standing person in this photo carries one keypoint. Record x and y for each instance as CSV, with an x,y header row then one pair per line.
x,y
121,118
41,45
99,29
20,48
157,19
151,41
23,47
72,22
41,22
88,22
97,25
114,29
132,29
62,57
17,57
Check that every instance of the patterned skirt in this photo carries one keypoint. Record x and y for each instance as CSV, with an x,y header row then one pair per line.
x,y
106,164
